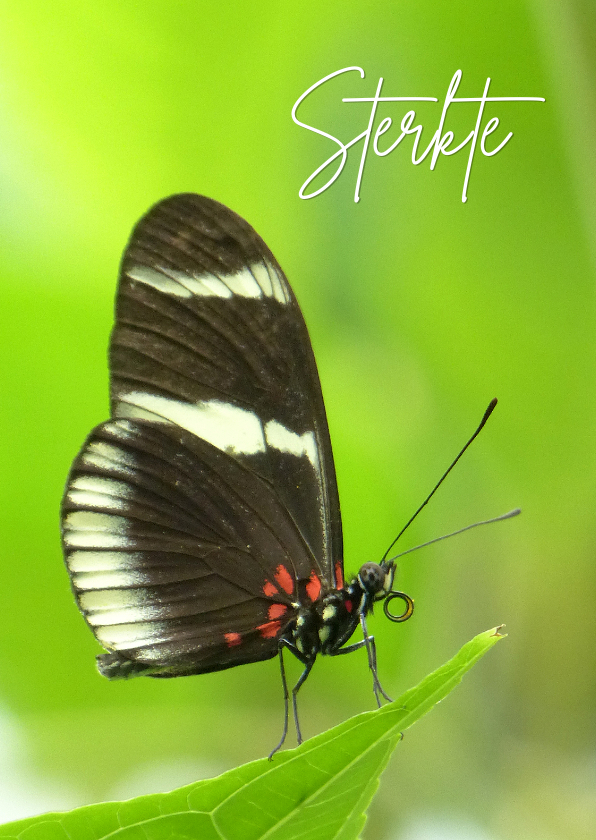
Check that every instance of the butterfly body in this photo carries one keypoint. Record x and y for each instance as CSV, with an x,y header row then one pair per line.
x,y
201,525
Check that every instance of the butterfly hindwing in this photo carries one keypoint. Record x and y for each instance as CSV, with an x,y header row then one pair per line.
x,y
180,557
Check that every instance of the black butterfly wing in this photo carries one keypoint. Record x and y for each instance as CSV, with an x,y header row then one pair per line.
x,y
182,559
194,520
209,337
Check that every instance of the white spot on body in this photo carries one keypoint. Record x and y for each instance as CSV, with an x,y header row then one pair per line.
x,y
329,612
324,633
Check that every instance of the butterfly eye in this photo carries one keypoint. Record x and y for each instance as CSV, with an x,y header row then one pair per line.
x,y
407,601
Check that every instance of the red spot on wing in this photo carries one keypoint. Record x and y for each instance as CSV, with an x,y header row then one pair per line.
x,y
285,579
270,629
339,576
232,639
313,587
277,610
270,589
349,605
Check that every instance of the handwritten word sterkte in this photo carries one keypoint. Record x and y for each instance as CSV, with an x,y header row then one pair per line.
x,y
439,145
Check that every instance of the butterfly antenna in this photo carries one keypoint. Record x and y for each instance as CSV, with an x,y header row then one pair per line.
x,y
487,414
503,516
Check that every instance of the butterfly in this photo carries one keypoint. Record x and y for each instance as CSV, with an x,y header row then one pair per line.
x,y
201,524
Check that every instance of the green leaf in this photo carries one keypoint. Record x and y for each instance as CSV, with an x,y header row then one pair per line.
x,y
319,790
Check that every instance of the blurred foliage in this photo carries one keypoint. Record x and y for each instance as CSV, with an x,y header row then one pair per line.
x,y
321,789
421,309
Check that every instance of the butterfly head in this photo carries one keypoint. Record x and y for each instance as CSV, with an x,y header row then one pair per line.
x,y
376,580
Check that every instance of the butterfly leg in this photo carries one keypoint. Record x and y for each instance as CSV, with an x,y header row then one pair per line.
x,y
284,683
371,651
295,690
284,643
369,643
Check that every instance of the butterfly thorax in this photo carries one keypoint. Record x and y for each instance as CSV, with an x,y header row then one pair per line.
x,y
327,624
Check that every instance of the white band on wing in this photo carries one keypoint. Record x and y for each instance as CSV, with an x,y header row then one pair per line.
x,y
224,425
260,280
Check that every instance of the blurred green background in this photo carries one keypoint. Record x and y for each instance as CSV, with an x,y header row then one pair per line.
x,y
421,309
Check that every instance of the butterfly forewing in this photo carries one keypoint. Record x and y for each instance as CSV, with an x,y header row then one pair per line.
x,y
209,336
192,519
